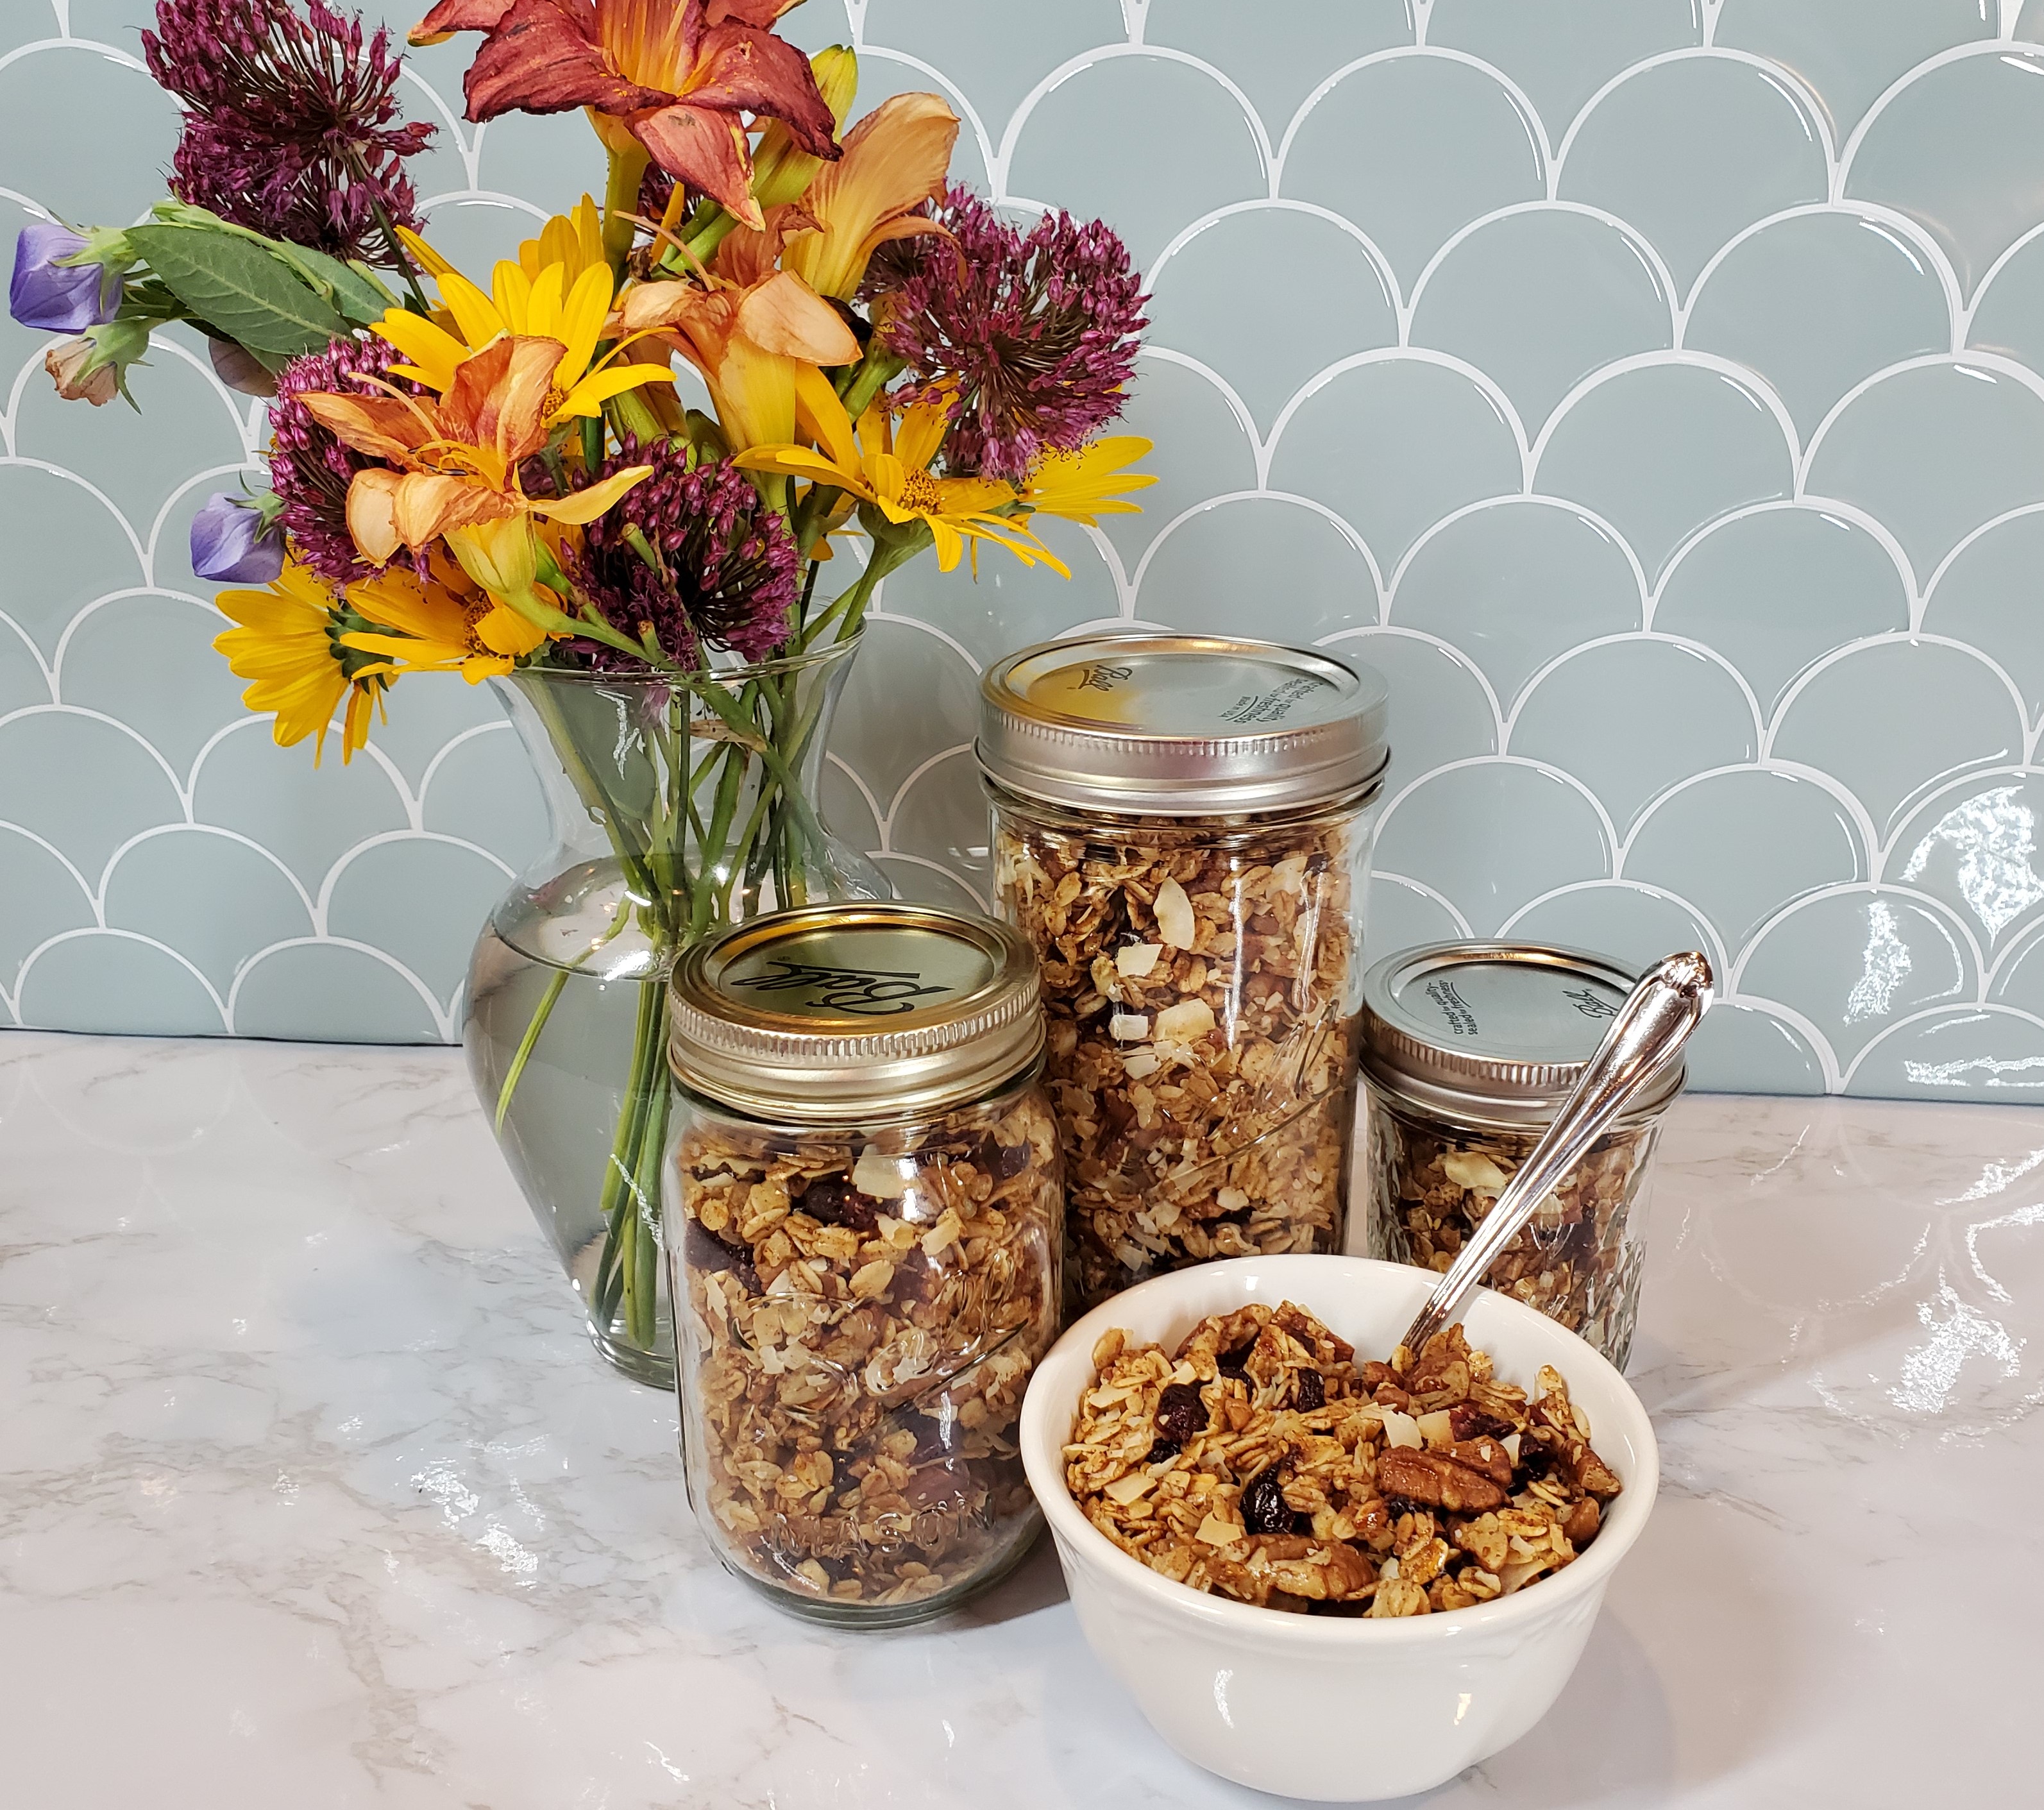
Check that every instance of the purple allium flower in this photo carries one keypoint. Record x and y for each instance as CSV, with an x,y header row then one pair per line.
x,y
727,560
1035,333
309,468
58,298
232,544
289,129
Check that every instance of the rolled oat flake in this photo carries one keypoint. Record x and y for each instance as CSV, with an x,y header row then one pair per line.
x,y
813,1014
1494,1033
1198,724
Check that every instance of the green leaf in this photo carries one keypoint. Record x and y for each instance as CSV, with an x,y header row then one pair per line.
x,y
351,287
348,287
240,290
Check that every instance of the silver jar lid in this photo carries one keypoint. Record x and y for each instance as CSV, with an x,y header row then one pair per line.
x,y
816,1014
1182,725
1495,1034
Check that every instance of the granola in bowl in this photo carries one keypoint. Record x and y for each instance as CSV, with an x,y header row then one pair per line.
x,y
863,1314
1201,985
1259,1460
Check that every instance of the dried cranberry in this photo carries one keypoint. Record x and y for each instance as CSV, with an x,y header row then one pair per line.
x,y
932,1438
1468,1423
1181,1411
1309,1390
1003,1161
1535,1461
832,1201
1264,1508
705,1251
1236,1363
1160,1450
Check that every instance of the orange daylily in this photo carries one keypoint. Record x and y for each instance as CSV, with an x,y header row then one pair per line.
x,y
679,81
452,463
887,468
895,159
750,338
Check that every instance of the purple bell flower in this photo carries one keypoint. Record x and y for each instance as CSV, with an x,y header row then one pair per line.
x,y
231,544
58,298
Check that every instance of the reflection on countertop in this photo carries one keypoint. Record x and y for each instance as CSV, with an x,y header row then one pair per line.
x,y
311,1487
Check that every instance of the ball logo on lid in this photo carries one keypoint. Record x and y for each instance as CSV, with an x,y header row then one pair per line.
x,y
869,992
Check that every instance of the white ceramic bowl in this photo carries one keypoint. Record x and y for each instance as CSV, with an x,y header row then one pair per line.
x,y
1324,1707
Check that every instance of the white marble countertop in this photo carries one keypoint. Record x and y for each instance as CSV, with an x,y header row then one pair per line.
x,y
312,1494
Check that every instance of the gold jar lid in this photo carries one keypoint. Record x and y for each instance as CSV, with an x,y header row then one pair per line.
x,y
841,1010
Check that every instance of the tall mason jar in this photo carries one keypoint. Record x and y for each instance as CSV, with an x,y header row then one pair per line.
x,y
1470,1050
862,1233
1183,828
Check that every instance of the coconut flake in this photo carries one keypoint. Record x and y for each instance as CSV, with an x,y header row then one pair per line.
x,y
1437,1429
1128,1027
1472,1169
1139,1065
1137,959
1401,1429
884,1177
1174,915
1185,1022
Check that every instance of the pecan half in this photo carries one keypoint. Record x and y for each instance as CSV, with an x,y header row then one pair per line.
x,y
1437,1480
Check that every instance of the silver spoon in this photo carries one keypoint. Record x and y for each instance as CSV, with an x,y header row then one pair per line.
x,y
1654,1022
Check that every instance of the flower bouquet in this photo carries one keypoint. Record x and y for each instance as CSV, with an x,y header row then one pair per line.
x,y
505,481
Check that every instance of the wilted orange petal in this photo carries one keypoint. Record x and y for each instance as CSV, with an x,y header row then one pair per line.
x,y
427,505
784,315
372,514
381,426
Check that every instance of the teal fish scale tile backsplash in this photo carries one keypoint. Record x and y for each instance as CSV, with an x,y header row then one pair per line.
x,y
1650,388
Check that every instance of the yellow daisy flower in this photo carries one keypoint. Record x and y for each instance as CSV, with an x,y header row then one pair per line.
x,y
1089,482
442,625
286,643
889,467
573,239
553,290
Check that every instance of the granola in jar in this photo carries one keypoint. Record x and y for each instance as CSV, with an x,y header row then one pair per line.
x,y
865,1202
1261,1461
1201,990
1182,829
1431,1183
1469,1049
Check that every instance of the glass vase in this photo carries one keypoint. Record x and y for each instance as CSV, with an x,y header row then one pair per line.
x,y
679,806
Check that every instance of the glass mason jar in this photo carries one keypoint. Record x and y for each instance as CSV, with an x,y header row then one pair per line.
x,y
668,825
1183,828
1469,1050
863,1233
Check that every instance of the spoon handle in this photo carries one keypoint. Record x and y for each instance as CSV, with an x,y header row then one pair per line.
x,y
1654,1022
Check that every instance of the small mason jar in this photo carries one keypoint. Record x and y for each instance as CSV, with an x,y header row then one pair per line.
x,y
1182,828
864,1203
1469,1050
